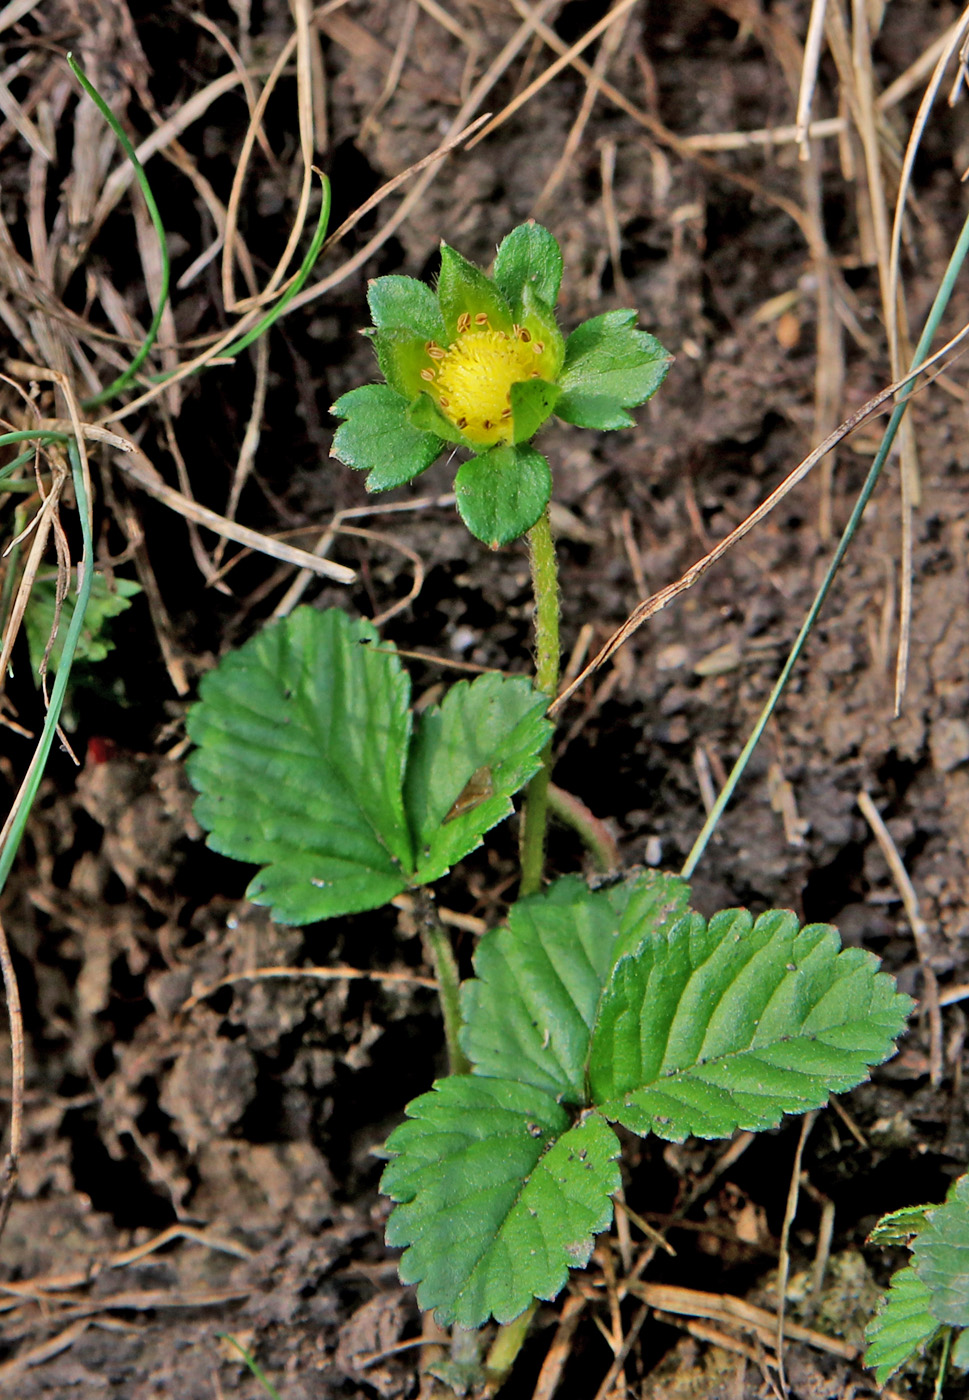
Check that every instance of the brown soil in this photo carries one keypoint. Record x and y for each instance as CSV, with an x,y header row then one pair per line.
x,y
191,1173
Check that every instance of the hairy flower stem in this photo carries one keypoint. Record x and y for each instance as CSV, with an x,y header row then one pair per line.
x,y
437,948
545,586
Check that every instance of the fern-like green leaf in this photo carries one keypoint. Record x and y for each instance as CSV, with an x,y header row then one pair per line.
x,y
529,1012
940,1255
305,751
499,1197
902,1325
727,1025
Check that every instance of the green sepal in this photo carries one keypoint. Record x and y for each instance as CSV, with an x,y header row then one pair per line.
x,y
464,288
609,367
378,438
503,492
401,357
530,257
538,318
498,1196
407,304
424,415
902,1325
532,402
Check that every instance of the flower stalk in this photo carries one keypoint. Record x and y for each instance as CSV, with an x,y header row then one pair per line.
x,y
545,586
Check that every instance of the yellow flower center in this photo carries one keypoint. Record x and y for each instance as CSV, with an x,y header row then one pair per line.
x,y
471,379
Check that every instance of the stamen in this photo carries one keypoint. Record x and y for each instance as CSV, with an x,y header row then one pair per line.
x,y
445,403
524,334
462,422
506,413
481,319
487,424
539,347
429,375
464,322
435,351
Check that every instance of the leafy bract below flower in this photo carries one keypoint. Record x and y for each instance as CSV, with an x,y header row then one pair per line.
x,y
482,365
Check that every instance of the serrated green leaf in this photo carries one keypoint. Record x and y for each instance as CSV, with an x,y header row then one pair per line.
x,y
303,736
463,289
529,256
495,726
609,367
940,1256
532,401
899,1226
94,643
529,1011
902,1325
499,1197
406,303
378,438
732,1024
503,492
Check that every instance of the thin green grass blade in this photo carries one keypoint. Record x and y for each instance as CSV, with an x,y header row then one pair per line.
x,y
921,351
11,841
297,284
128,375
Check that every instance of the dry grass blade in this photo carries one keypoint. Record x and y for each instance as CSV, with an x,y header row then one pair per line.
x,y
658,601
313,974
11,1163
730,1311
552,71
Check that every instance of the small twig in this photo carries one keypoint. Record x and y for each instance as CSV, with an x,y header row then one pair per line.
x,y
784,1256
319,974
920,931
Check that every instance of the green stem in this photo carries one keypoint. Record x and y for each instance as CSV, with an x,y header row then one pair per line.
x,y
506,1346
438,948
593,833
545,586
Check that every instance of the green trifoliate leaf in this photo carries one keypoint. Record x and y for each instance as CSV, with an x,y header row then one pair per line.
x,y
609,367
940,1255
468,757
532,402
424,415
303,736
405,303
530,1009
465,291
379,438
503,492
305,753
732,1024
960,1351
529,257
499,1197
900,1226
94,643
902,1325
